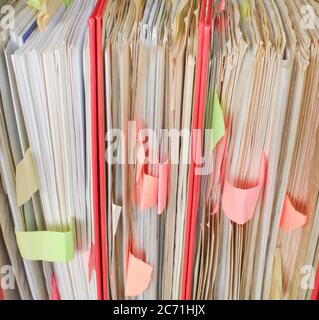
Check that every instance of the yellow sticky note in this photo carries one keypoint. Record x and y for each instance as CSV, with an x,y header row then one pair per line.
x,y
26,179
46,246
218,123
244,9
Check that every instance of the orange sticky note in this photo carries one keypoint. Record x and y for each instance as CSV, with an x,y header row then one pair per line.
x,y
138,276
239,204
291,219
148,192
162,186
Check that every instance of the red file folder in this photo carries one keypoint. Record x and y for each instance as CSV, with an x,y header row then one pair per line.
x,y
95,145
315,292
101,143
204,35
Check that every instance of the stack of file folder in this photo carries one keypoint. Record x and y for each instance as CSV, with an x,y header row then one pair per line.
x,y
159,149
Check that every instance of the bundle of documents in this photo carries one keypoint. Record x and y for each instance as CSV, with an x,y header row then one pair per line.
x,y
159,149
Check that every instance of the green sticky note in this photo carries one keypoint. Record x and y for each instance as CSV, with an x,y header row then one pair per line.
x,y
67,2
36,4
244,9
218,123
46,246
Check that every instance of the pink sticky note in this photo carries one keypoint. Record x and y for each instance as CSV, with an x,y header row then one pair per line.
x,y
239,204
138,276
291,219
148,192
162,186
55,294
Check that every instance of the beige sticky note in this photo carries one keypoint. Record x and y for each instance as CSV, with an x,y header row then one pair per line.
x,y
26,179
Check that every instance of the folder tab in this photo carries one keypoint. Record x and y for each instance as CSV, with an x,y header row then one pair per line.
x,y
138,276
291,219
239,204
46,246
26,179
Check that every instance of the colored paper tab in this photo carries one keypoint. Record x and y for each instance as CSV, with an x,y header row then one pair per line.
x,y
276,291
162,186
148,192
46,246
26,179
138,276
244,9
36,4
55,294
116,213
291,219
48,10
218,123
239,204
